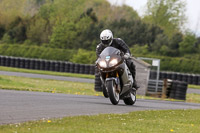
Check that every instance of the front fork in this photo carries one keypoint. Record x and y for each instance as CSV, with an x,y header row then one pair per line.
x,y
115,79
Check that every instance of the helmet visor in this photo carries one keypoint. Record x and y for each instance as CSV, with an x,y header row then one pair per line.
x,y
106,42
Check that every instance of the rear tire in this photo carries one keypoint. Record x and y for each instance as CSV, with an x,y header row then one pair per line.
x,y
112,92
130,100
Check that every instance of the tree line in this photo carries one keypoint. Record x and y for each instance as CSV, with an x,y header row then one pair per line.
x,y
69,24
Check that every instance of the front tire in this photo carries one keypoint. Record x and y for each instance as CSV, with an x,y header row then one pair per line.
x,y
112,91
105,92
130,100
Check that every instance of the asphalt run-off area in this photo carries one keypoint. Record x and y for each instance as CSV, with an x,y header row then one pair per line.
x,y
21,106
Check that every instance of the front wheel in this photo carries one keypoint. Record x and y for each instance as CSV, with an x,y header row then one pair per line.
x,y
105,92
131,99
112,91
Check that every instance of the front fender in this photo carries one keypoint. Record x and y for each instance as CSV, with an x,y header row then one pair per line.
x,y
115,79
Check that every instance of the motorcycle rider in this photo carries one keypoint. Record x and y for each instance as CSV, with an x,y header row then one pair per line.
x,y
107,39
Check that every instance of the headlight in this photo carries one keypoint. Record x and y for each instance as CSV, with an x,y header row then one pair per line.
x,y
113,62
102,64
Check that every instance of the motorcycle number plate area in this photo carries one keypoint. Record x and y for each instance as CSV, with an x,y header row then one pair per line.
x,y
107,58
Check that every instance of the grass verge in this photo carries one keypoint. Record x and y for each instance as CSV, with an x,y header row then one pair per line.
x,y
46,85
194,86
11,69
193,98
165,121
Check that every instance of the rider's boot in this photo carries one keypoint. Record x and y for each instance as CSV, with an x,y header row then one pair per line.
x,y
135,83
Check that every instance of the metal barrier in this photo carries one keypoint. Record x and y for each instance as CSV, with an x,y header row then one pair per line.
x,y
152,86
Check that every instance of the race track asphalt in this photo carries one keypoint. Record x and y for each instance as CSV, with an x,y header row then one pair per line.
x,y
21,106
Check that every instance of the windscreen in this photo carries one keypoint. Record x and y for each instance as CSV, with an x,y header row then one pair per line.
x,y
109,51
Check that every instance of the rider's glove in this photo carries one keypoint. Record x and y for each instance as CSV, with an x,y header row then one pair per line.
x,y
127,55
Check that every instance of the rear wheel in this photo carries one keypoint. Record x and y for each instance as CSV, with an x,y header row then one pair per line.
x,y
130,100
112,91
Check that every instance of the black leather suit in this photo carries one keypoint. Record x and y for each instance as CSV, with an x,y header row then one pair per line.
x,y
121,45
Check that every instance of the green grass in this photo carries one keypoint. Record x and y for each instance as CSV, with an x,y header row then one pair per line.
x,y
194,86
46,72
46,85
193,98
165,121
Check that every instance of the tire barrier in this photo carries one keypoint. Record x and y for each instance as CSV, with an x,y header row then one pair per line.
x,y
7,61
97,84
178,90
174,76
0,59
67,67
198,80
3,59
27,63
168,89
153,74
37,64
52,66
92,69
168,75
188,78
87,69
12,62
48,65
76,68
32,64
42,65
22,63
162,75
184,77
82,68
57,66
171,91
71,67
195,80
179,76
61,66
17,63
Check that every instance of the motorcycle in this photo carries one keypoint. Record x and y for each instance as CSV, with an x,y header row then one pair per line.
x,y
116,78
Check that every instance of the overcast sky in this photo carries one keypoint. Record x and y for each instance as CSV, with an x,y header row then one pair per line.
x,y
192,12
